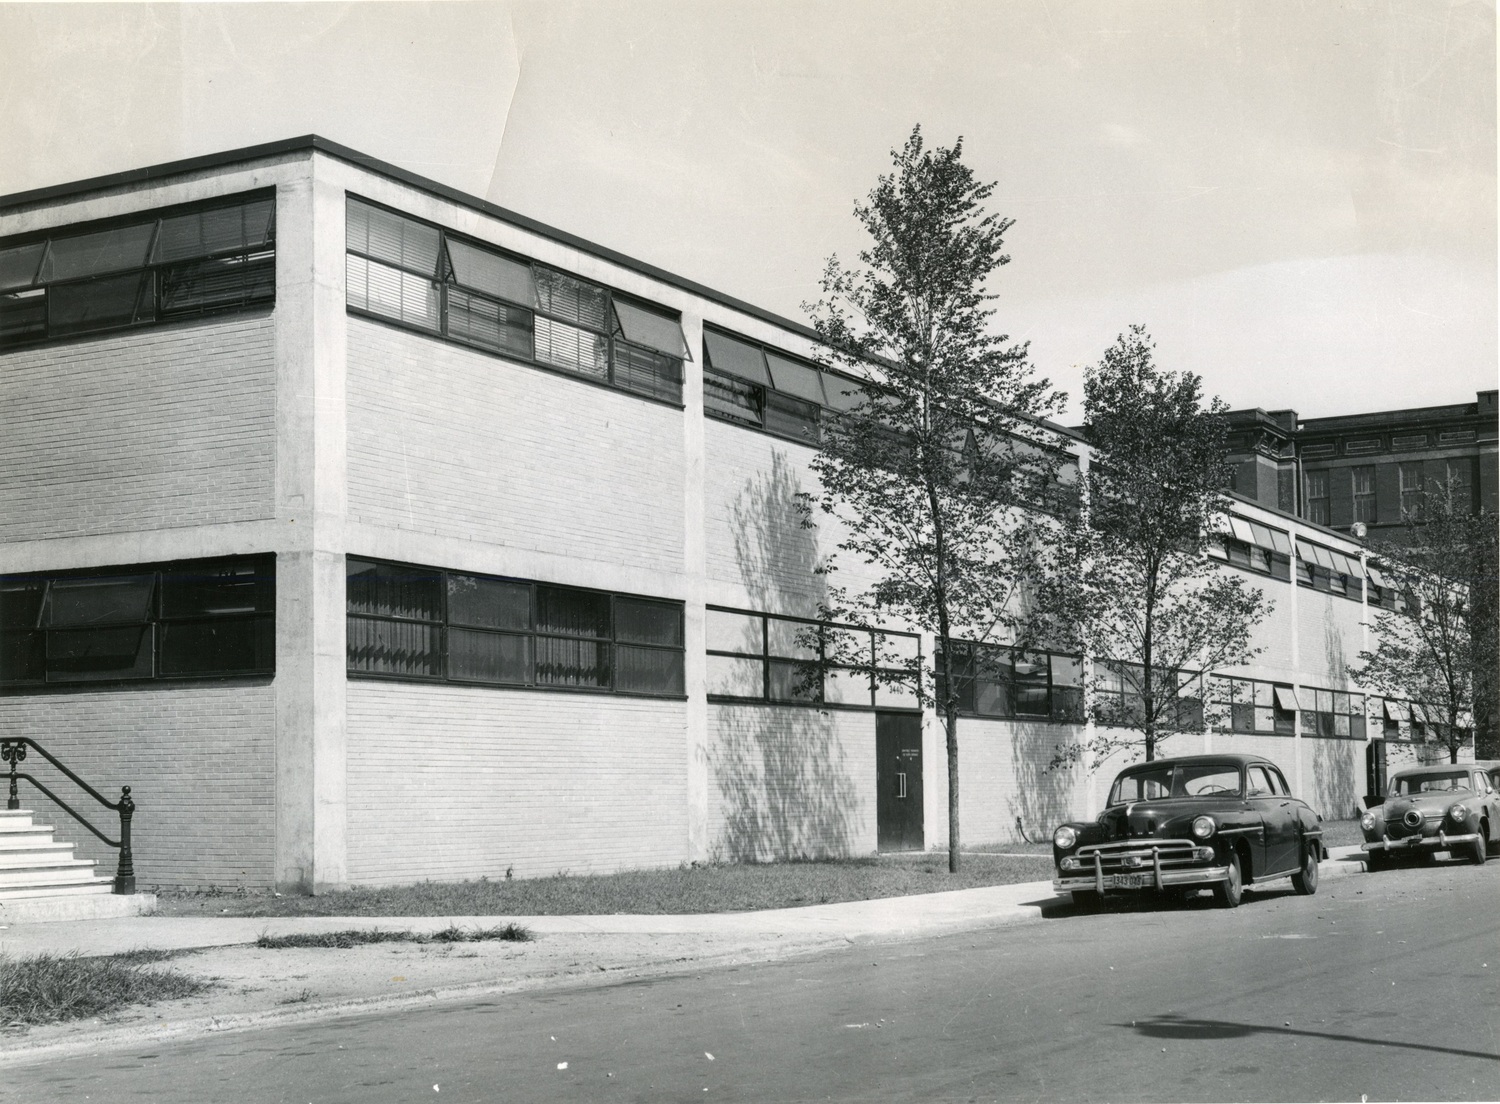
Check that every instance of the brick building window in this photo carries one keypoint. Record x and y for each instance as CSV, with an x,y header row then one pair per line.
x,y
1333,714
1315,498
187,620
420,276
1412,488
749,383
122,273
994,680
1251,706
422,623
1364,493
1460,483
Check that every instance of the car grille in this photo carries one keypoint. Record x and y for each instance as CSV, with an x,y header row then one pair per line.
x,y
1129,856
1399,825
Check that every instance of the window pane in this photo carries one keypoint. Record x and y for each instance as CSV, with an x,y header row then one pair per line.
x,y
1340,725
390,292
18,266
23,315
563,662
218,589
792,378
232,647
93,254
895,693
97,304
897,650
792,639
87,655
493,325
408,648
488,603
651,329
842,393
388,590
1265,719
489,657
648,670
492,273
244,228
1264,693
738,678
793,681
735,358
565,346
731,398
847,687
1067,705
572,299
1243,719
1066,671
572,612
391,238
792,417
224,282
735,632
642,622
992,698
23,655
99,601
21,603
647,373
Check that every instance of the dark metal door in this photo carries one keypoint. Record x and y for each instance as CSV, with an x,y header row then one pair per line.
x,y
898,781
1375,770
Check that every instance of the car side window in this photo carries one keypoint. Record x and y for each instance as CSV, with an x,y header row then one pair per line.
x,y
1260,785
1278,782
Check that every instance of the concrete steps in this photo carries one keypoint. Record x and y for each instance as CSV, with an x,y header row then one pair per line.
x,y
40,879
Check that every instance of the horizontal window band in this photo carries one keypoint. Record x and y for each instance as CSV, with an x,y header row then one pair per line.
x,y
843,707
544,688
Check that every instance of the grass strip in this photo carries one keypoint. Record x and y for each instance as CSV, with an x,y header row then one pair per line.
x,y
50,988
355,937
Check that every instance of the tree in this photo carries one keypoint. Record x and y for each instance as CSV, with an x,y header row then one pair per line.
x,y
1437,647
1131,584
928,468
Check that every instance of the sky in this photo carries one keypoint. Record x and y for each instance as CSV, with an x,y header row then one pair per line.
x,y
1297,199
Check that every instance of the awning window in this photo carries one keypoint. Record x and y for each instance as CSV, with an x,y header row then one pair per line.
x,y
1241,529
1397,711
1286,698
791,378
492,274
653,330
736,358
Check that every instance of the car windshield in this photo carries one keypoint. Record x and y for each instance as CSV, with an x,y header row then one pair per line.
x,y
1431,783
1169,781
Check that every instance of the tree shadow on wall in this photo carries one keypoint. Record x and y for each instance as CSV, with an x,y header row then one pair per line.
x,y
1336,778
784,782
1044,797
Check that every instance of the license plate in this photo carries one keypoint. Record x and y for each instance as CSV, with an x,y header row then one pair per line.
x,y
1130,881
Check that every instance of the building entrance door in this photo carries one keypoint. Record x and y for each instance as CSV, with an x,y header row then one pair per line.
x,y
1374,770
898,781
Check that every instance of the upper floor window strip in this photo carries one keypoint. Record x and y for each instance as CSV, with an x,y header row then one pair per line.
x,y
421,276
174,263
753,384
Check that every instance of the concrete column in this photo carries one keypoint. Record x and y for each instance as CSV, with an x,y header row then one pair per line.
x,y
695,574
1296,620
311,337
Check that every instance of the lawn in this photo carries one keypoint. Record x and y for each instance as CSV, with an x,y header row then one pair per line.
x,y
48,988
687,889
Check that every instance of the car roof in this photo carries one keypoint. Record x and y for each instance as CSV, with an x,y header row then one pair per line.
x,y
1236,757
1437,768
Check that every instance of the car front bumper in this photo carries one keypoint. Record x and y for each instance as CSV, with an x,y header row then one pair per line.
x,y
1440,842
1146,879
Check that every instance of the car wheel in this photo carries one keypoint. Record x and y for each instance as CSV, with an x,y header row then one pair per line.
x,y
1479,850
1305,881
1086,898
1232,888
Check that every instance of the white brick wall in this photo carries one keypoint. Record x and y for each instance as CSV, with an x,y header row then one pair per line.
x,y
1004,774
449,783
161,428
788,782
200,762
452,442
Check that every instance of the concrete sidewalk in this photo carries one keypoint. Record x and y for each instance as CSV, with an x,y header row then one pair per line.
x,y
259,987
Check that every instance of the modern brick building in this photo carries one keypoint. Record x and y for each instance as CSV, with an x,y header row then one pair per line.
x,y
373,533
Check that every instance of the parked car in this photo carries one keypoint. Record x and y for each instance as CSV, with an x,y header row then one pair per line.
x,y
1450,807
1220,822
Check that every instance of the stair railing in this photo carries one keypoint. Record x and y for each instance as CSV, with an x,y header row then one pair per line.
x,y
13,751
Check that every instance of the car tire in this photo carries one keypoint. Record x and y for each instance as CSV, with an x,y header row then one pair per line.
x,y
1229,892
1086,898
1479,850
1305,881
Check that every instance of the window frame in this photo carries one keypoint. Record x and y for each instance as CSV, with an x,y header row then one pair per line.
x,y
154,622
444,624
1226,710
152,274
1064,701
446,284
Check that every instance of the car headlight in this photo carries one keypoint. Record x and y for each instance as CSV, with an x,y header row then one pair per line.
x,y
1064,838
1203,827
1458,813
1367,822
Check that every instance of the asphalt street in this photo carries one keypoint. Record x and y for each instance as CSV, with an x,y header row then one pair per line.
x,y
1381,987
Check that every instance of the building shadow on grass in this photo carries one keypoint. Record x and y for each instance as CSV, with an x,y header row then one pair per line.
x,y
785,784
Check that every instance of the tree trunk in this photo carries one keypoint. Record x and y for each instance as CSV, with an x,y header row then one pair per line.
x,y
951,722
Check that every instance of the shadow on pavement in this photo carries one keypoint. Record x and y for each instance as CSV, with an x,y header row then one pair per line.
x,y
1183,1028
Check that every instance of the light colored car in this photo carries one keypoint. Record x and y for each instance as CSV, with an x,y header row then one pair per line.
x,y
1451,807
